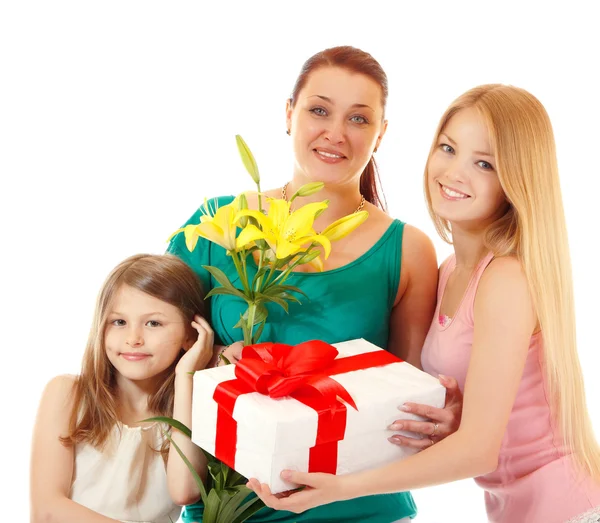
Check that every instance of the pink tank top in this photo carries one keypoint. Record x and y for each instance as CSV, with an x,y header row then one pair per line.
x,y
535,480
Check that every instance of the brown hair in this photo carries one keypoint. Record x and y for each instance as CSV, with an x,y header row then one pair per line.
x,y
95,412
360,62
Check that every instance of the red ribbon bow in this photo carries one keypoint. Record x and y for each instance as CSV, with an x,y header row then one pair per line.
x,y
302,372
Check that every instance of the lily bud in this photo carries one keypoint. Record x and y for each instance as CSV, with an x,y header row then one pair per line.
x,y
247,159
243,204
308,189
344,226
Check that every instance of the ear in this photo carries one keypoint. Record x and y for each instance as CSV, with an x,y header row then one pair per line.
x,y
288,113
189,341
380,137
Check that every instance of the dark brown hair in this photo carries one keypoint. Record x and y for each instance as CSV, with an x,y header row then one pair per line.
x,y
360,62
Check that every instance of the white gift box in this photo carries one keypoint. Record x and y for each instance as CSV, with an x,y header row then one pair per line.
x,y
276,434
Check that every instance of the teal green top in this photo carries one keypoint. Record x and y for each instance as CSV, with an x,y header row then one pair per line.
x,y
353,301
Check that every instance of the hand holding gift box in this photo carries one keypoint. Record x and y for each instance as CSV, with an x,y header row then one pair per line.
x,y
313,408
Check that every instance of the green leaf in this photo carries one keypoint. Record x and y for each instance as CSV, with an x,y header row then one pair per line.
x,y
235,479
248,509
229,509
224,290
290,297
173,423
258,332
273,299
221,277
276,290
211,508
247,159
216,471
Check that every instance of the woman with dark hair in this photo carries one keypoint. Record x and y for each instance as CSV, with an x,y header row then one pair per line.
x,y
379,283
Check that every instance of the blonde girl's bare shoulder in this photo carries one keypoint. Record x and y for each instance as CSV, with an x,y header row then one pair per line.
x,y
505,281
502,268
59,390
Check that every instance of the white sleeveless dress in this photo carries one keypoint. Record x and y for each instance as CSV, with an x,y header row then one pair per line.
x,y
127,480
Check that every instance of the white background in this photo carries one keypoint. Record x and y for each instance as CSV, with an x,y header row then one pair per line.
x,y
117,118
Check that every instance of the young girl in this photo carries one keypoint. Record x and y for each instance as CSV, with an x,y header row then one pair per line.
x,y
504,327
92,459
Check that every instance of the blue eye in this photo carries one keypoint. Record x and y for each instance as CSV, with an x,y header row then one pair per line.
x,y
319,111
153,323
485,165
359,119
446,148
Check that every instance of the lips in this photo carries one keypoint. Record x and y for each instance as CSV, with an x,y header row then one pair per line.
x,y
134,356
328,155
452,194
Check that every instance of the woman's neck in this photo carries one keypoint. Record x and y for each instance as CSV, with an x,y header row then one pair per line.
x,y
469,247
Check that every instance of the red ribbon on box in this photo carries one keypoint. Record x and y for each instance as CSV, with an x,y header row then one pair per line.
x,y
302,372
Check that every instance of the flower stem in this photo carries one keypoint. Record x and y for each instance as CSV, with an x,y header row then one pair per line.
x,y
259,197
242,273
249,325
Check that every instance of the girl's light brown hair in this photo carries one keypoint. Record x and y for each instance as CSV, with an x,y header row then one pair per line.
x,y
360,62
533,229
95,412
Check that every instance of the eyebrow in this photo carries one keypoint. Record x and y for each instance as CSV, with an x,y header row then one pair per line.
x,y
156,313
478,153
333,103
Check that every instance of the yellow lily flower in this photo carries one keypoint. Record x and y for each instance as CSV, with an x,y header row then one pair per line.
x,y
285,233
218,227
344,226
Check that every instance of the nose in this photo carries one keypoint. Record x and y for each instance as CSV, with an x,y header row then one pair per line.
x,y
135,337
456,172
335,132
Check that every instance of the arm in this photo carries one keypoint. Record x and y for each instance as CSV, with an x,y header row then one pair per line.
x,y
182,485
415,303
443,422
505,320
52,462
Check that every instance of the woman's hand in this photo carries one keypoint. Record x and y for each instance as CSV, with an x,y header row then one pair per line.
x,y
233,353
319,489
443,422
199,354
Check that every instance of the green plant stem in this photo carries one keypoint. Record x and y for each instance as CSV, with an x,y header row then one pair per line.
x,y
243,257
269,277
259,197
286,272
248,338
242,273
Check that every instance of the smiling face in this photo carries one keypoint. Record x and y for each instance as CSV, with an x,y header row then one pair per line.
x,y
336,122
143,335
462,179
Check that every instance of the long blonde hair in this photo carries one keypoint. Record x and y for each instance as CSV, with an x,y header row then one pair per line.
x,y
534,230
95,411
